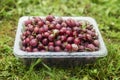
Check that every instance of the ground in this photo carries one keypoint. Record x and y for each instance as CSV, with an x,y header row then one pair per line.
x,y
105,12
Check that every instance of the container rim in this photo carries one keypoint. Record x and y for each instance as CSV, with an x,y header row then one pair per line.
x,y
22,54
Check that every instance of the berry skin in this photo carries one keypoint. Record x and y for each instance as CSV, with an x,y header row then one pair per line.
x,y
39,37
33,42
58,26
90,47
29,49
46,34
51,44
36,29
81,48
58,43
50,18
41,46
74,47
51,37
41,30
96,43
57,49
51,48
68,32
68,47
70,39
62,30
35,50
45,28
77,41
63,38
40,23
30,27
28,22
45,41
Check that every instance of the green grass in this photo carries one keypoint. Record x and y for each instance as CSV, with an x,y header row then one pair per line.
x,y
107,15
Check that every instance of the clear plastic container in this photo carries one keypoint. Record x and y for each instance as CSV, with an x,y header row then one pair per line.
x,y
22,54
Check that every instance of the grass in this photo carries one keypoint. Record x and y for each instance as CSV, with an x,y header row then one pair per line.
x,y
107,14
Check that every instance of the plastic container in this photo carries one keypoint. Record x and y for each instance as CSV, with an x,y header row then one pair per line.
x,y
22,54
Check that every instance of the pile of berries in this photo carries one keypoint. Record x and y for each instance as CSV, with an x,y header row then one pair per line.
x,y
57,34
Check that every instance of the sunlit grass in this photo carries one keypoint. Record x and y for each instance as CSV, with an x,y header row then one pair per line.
x,y
107,15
